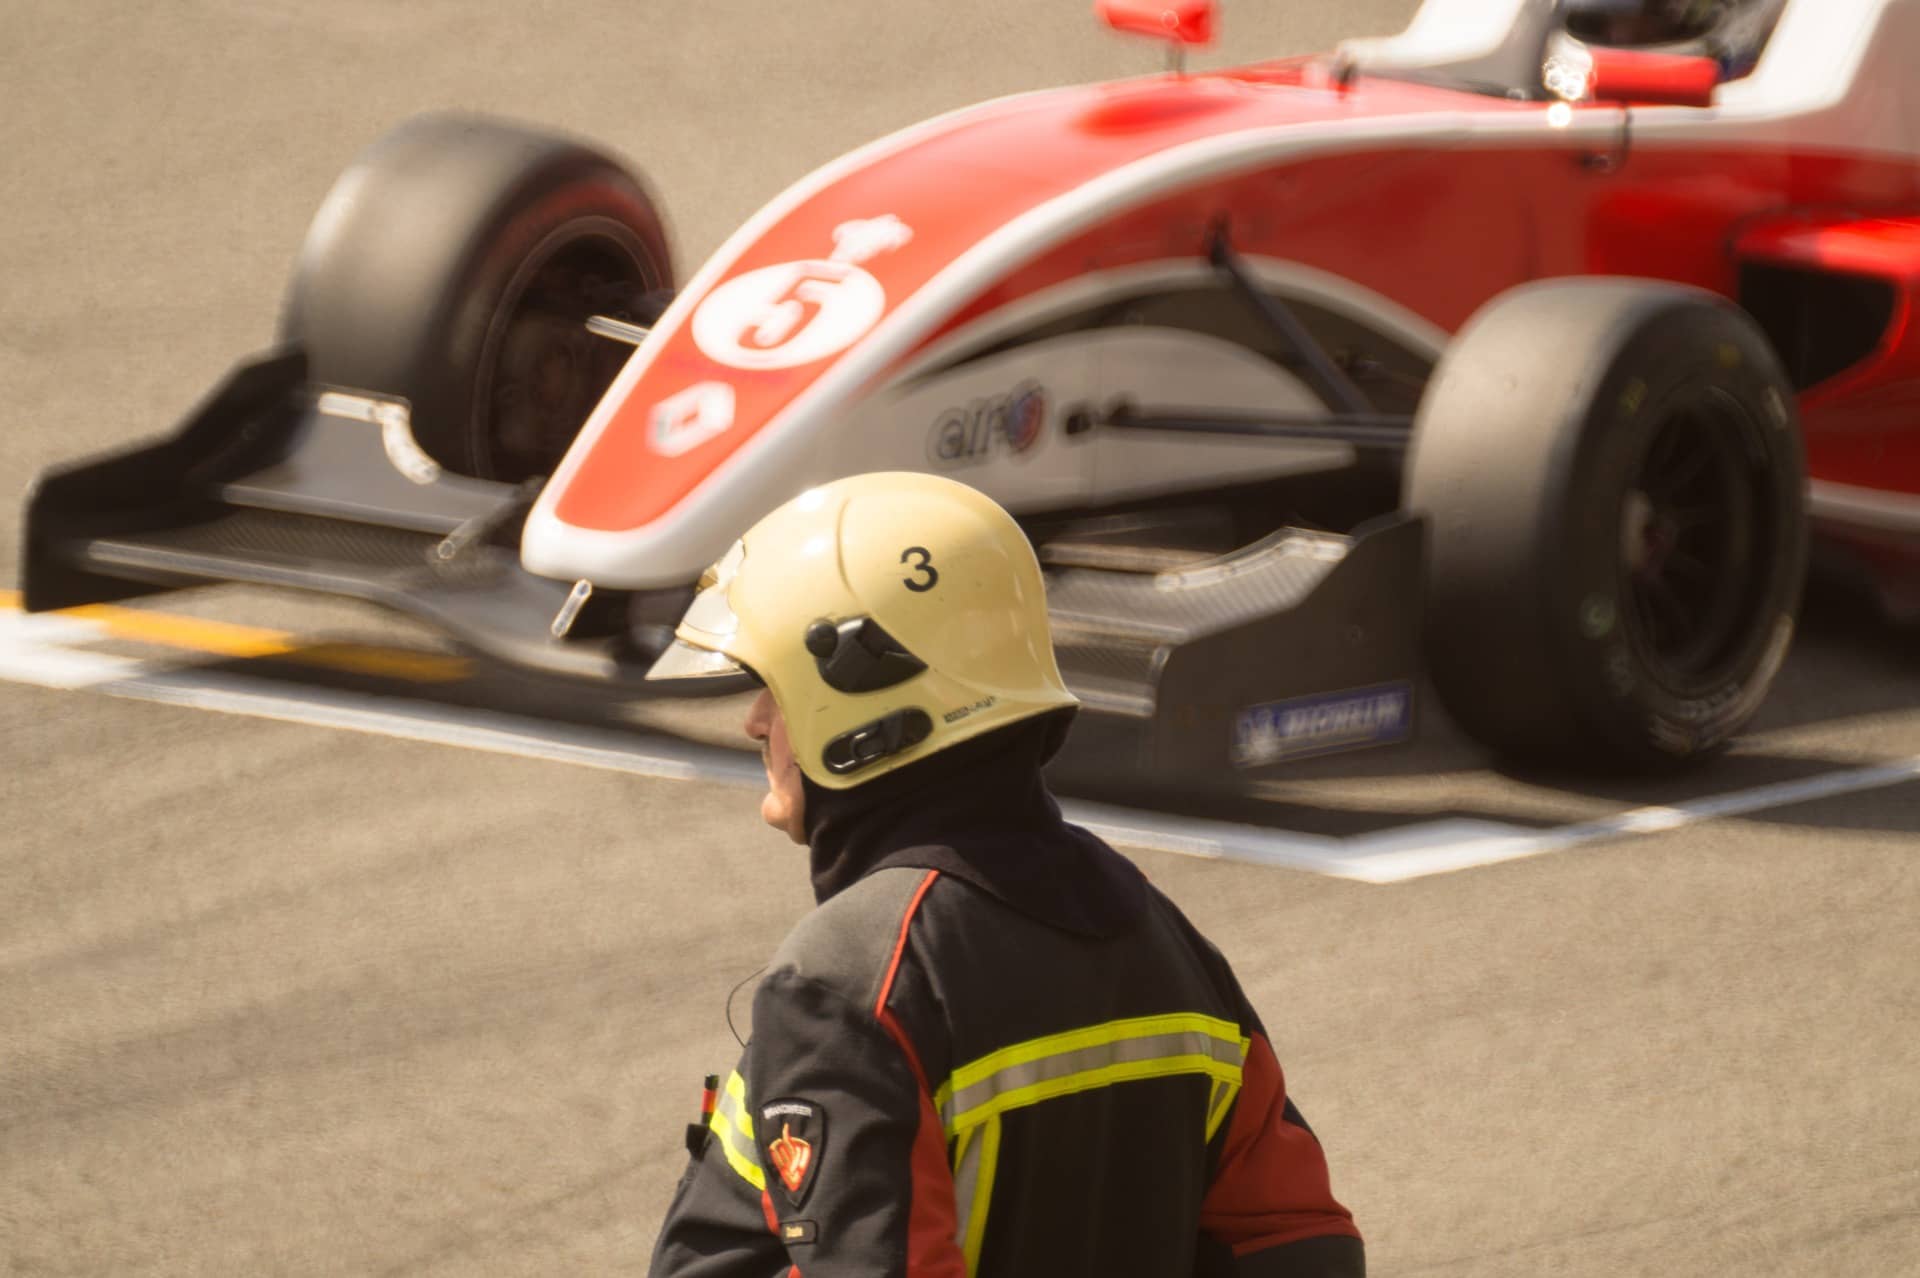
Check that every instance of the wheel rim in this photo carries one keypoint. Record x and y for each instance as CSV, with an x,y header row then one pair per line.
x,y
543,371
1693,530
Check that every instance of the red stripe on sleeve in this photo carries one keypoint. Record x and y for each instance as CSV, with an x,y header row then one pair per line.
x,y
766,1209
1272,1186
900,946
933,1222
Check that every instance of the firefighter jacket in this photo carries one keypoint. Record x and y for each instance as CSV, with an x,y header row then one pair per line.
x,y
966,1062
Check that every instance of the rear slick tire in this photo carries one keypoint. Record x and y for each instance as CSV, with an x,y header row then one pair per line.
x,y
1615,485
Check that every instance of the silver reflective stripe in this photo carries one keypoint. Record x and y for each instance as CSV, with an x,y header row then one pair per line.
x,y
976,1160
1097,1064
973,1100
1223,1094
732,1126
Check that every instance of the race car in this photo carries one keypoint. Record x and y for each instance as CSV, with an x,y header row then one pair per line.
x,y
1496,354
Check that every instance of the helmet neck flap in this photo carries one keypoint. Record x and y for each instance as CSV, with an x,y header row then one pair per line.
x,y
980,812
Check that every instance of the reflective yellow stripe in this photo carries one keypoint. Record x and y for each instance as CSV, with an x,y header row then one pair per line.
x,y
748,1169
1141,1047
966,1186
733,1128
1088,1036
223,639
1223,1102
737,1089
976,1219
1086,1080
1092,1056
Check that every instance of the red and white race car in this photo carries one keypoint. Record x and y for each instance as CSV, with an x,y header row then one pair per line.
x,y
1503,347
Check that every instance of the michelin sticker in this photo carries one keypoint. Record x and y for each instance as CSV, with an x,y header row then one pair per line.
x,y
1323,724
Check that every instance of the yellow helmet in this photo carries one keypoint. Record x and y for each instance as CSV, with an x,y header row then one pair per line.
x,y
891,615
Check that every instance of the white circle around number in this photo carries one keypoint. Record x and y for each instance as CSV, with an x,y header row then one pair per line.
x,y
787,315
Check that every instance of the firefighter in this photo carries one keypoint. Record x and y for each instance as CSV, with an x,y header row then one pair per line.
x,y
993,1048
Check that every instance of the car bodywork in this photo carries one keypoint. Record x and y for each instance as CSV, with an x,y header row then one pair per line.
x,y
848,323
1104,298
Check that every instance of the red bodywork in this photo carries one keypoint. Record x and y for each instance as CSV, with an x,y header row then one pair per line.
x,y
1653,79
1432,198
1861,422
1182,21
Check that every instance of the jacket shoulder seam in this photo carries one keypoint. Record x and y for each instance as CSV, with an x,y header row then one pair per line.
x,y
851,943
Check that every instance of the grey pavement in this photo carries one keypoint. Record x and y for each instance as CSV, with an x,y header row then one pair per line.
x,y
280,999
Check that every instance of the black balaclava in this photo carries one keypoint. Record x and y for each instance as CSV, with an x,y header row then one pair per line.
x,y
979,811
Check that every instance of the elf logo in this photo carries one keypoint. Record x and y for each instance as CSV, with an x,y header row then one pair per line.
x,y
999,425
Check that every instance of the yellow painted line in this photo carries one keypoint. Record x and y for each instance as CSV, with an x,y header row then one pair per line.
x,y
1395,855
223,639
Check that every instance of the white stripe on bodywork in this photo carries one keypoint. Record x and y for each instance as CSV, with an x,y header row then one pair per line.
x,y
694,291
1290,279
1817,85
774,464
1827,62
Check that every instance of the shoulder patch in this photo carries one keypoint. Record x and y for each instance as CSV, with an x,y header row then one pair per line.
x,y
793,1135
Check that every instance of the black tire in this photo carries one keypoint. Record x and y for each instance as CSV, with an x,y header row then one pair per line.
x,y
1615,483
454,264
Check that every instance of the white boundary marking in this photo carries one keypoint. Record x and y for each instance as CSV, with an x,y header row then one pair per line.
x,y
37,650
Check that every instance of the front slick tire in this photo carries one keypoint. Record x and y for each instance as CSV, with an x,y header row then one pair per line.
x,y
455,264
1615,482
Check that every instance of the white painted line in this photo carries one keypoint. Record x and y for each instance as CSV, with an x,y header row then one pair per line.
x,y
1219,840
1441,847
1417,851
663,759
36,650
33,650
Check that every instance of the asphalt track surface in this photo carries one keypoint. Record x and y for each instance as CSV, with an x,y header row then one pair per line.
x,y
278,997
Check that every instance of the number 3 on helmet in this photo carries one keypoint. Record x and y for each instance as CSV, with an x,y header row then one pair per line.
x,y
891,615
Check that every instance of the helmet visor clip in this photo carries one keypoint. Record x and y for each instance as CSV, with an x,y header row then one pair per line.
x,y
872,742
858,656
